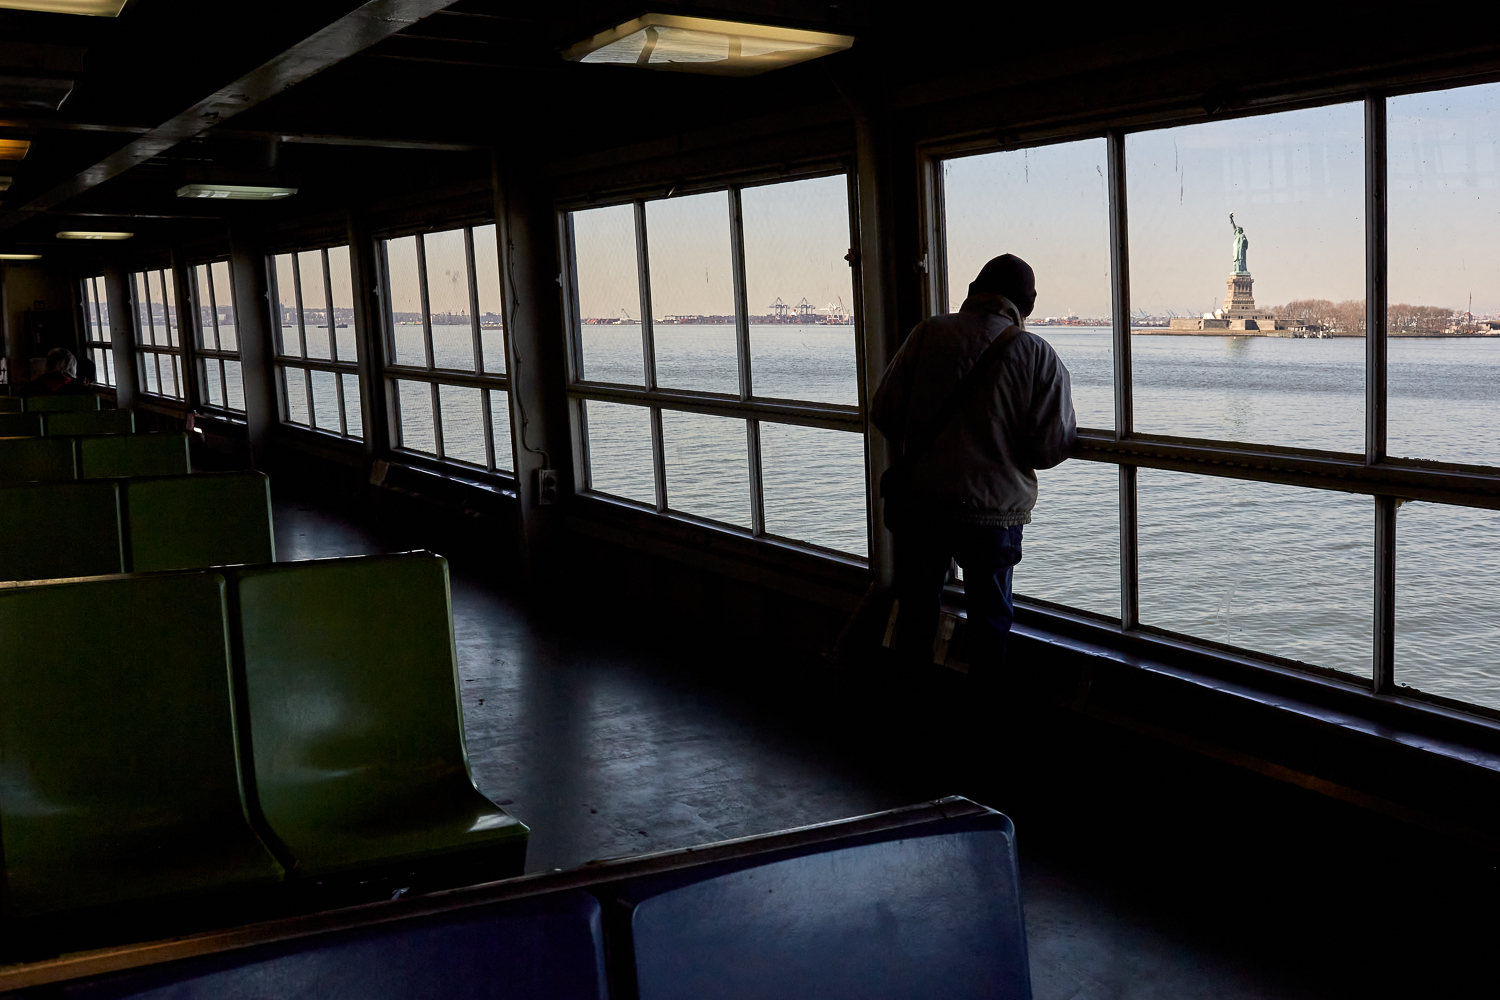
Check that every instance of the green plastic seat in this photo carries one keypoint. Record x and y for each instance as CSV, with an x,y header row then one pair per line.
x,y
80,422
115,456
208,519
122,781
36,460
53,530
20,425
12,404
354,720
61,404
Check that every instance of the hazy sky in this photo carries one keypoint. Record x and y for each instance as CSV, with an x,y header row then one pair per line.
x,y
796,236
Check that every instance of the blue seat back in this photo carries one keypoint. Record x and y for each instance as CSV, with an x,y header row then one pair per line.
x,y
53,530
549,948
921,912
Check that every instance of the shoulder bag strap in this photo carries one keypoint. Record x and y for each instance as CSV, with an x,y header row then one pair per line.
x,y
988,362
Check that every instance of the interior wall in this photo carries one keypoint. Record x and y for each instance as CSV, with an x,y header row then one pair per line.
x,y
30,286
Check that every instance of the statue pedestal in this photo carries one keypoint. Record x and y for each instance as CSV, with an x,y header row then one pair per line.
x,y
1239,313
1239,297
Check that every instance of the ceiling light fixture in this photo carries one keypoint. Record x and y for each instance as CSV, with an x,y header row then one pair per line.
x,y
88,234
235,192
14,149
96,8
20,256
5,183
705,45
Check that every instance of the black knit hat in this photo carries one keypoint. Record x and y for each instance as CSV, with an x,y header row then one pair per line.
x,y
1007,275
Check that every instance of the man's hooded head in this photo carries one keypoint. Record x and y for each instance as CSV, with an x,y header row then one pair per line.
x,y
1010,276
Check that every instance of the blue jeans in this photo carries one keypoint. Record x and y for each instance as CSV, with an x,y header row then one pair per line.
x,y
988,556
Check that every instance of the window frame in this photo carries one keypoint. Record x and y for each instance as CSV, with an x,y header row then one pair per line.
x,y
745,405
150,352
1389,481
98,339
488,383
283,363
202,351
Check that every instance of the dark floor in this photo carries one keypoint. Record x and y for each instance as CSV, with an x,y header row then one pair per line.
x,y
1144,874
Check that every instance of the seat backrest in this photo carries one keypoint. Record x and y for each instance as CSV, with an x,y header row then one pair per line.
x,y
205,519
933,911
55,530
549,948
115,456
351,678
20,424
12,404
91,422
37,460
117,734
62,404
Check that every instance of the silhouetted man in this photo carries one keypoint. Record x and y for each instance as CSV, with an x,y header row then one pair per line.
x,y
60,379
970,446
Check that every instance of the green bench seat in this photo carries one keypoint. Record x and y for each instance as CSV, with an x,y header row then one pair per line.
x,y
57,530
205,519
117,732
12,404
36,459
61,404
357,735
81,422
116,456
20,425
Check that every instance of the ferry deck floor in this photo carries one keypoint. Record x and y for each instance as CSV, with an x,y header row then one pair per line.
x,y
1146,872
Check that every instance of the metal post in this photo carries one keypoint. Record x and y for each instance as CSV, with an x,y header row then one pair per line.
x,y
1119,267
188,318
247,265
1376,367
369,339
742,345
122,336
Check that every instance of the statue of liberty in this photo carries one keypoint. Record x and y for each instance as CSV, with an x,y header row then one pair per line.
x,y
1241,246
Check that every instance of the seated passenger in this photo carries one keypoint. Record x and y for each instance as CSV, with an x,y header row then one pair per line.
x,y
60,379
974,405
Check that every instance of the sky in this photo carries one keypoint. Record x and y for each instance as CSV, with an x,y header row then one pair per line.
x,y
1295,181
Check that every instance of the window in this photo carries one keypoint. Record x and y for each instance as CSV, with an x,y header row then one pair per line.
x,y
316,354
96,323
445,347
1252,496
158,349
714,359
220,382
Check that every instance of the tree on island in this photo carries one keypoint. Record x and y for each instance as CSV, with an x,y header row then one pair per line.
x,y
1349,316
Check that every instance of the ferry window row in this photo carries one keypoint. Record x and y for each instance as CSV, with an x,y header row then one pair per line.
x,y
445,347
1247,273
682,304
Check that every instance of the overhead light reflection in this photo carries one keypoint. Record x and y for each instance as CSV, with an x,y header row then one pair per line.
x,y
89,234
705,45
235,192
95,8
14,149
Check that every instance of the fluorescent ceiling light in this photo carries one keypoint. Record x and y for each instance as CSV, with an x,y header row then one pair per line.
x,y
98,8
87,234
5,183
20,256
705,45
235,192
14,149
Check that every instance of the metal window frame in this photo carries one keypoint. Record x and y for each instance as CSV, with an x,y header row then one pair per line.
x,y
206,321
96,341
742,404
1389,481
147,345
284,364
478,378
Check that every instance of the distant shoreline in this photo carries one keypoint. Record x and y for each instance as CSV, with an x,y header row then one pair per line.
x,y
1157,331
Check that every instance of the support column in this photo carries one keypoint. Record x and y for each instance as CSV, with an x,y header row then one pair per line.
x,y
247,266
187,331
536,358
122,335
369,332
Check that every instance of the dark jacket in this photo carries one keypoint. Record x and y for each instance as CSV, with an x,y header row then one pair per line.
x,y
981,468
53,383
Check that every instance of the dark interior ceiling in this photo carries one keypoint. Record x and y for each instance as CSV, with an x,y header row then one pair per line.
x,y
400,96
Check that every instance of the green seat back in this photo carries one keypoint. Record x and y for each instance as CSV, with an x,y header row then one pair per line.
x,y
36,460
115,456
117,735
91,422
12,404
55,530
353,713
20,424
209,519
57,404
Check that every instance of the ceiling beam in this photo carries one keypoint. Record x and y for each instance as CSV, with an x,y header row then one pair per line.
x,y
369,24
306,138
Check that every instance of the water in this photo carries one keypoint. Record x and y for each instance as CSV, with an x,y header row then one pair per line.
x,y
1276,569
